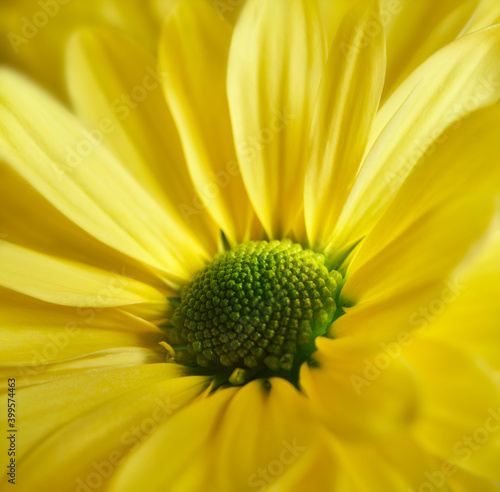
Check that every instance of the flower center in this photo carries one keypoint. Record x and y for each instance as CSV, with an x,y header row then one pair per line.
x,y
257,308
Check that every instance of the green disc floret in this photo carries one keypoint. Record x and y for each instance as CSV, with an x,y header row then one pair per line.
x,y
257,307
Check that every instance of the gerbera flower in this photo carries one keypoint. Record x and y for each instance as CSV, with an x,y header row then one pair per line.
x,y
265,260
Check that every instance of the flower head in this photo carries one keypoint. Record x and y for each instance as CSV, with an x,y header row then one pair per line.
x,y
265,259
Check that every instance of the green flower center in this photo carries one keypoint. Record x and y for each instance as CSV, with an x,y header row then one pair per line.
x,y
257,309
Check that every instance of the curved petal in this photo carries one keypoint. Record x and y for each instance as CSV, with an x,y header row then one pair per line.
x,y
115,86
228,10
139,19
271,443
193,60
318,470
198,421
424,254
486,14
416,30
460,78
102,434
39,369
332,14
461,407
461,162
84,181
72,284
348,99
275,64
29,220
397,464
468,482
357,392
473,303
35,33
270,434
36,335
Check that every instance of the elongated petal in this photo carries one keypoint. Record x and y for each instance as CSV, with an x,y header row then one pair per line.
x,y
51,343
291,435
271,442
392,319
35,34
461,429
36,335
275,65
45,414
416,30
39,370
149,459
348,99
104,434
486,14
116,85
332,14
472,303
358,393
469,69
193,58
318,470
71,284
397,464
29,220
461,162
425,254
83,180
226,10
469,482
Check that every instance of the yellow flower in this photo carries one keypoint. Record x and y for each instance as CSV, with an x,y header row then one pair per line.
x,y
266,259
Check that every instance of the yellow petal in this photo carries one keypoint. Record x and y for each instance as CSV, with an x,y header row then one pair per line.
x,y
348,98
461,407
473,303
275,64
37,348
272,439
187,468
391,321
72,284
36,334
44,414
397,464
37,313
358,391
416,30
228,10
444,174
138,19
99,438
332,14
35,33
467,482
29,220
460,78
82,179
486,14
111,358
421,256
115,86
193,57
271,442
318,470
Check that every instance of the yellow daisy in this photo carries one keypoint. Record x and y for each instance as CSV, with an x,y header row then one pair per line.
x,y
266,259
